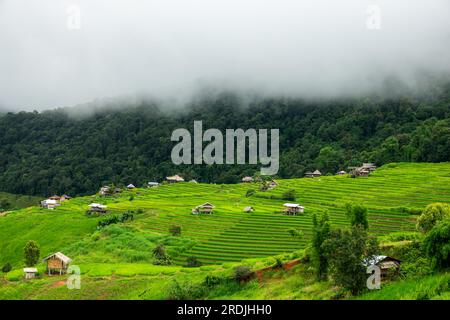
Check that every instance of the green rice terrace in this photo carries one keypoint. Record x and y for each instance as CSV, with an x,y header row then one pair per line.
x,y
394,194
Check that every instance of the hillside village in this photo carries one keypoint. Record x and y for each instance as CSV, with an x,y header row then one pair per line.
x,y
226,225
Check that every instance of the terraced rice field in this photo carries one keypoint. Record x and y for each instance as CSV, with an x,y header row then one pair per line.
x,y
231,235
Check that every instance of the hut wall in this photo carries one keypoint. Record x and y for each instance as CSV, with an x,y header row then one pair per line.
x,y
54,263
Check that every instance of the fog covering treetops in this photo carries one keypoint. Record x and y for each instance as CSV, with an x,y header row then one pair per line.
x,y
51,152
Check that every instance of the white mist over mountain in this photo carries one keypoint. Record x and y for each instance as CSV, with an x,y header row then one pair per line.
x,y
56,53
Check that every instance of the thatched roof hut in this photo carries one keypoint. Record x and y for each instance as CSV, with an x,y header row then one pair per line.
x,y
206,208
58,262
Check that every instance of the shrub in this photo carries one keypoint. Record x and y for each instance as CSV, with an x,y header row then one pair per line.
x,y
107,221
31,253
289,195
160,255
296,233
357,214
278,263
212,281
432,214
185,291
242,273
249,193
126,216
193,262
437,244
7,268
175,230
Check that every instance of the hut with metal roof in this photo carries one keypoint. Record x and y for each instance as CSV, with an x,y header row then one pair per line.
x,y
389,266
30,273
293,208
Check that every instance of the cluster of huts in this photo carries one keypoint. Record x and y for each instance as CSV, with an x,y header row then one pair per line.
x,y
314,174
362,171
54,201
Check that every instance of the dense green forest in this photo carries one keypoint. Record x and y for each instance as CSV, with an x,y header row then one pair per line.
x,y
48,152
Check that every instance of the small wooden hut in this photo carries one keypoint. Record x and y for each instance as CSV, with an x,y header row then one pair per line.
x,y
248,209
65,197
206,208
30,273
314,174
247,179
293,208
174,179
49,204
97,208
57,262
389,266
105,190
152,184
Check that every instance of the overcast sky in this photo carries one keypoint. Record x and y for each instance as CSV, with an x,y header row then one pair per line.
x,y
51,55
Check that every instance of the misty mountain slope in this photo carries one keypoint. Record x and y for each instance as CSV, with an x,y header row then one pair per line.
x,y
51,152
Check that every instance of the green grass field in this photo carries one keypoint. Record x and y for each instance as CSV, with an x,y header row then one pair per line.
x,y
220,240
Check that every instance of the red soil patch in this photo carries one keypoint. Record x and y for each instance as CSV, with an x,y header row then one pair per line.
x,y
58,284
286,266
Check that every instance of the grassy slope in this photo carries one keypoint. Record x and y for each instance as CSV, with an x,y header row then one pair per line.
x,y
227,236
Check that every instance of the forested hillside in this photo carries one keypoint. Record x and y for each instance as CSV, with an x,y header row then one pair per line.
x,y
52,152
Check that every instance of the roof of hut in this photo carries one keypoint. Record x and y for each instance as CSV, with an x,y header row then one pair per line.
x,y
206,205
59,256
175,178
376,259
291,205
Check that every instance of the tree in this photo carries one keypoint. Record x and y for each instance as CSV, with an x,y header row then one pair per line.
x,y
242,273
160,255
175,230
321,232
437,244
289,195
193,262
329,159
5,204
31,253
346,250
432,214
249,193
296,233
357,214
7,267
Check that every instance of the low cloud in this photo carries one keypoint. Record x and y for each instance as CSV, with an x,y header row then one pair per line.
x,y
172,48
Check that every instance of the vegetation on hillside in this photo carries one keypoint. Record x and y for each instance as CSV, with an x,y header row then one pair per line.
x,y
51,152
154,248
